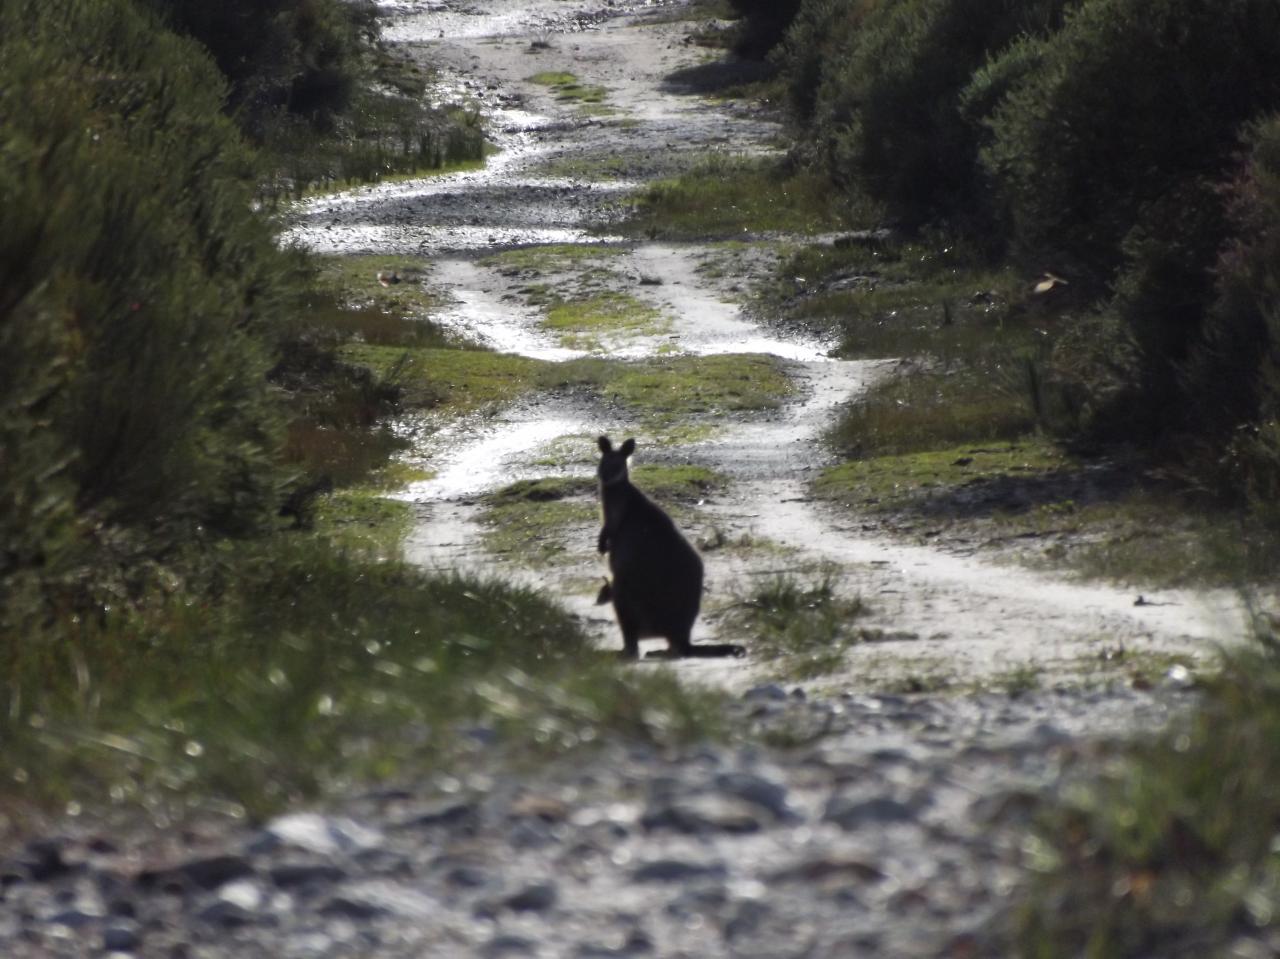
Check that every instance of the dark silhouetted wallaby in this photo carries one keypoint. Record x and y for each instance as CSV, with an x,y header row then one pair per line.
x,y
657,576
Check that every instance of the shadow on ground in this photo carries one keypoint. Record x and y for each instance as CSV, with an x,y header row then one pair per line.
x,y
985,497
717,77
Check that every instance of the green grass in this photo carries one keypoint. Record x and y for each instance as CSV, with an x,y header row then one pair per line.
x,y
322,670
566,86
1170,849
924,411
674,387
328,186
662,391
895,481
355,279
295,679
459,380
726,196
364,521
591,322
550,258
803,624
527,520
595,169
1155,538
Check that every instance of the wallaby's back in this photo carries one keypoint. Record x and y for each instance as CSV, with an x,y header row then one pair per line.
x,y
657,575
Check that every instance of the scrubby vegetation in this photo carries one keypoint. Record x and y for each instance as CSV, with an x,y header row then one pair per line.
x,y
1124,150
1082,200
202,604
310,85
1172,852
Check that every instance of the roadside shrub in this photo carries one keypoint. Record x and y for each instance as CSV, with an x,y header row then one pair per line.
x,y
888,115
1170,850
1130,99
1108,147
822,33
763,24
1233,377
139,291
303,57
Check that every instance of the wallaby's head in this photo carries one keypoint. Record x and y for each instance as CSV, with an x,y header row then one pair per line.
x,y
613,463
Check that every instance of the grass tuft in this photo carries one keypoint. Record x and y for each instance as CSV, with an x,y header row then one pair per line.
x,y
803,623
567,86
725,196
1172,850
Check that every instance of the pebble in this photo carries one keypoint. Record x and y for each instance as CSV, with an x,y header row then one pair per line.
x,y
854,813
121,936
322,835
538,897
375,898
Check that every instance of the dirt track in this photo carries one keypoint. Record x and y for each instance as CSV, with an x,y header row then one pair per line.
x,y
970,619
874,825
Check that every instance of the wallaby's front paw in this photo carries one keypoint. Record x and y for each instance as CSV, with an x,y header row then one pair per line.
x,y
602,543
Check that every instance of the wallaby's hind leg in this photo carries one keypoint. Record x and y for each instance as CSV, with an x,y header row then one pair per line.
x,y
630,641
681,643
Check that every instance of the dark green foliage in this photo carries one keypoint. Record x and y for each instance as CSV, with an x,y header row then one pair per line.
x,y
818,39
1173,852
1109,153
1089,138
292,666
300,57
138,291
310,85
1234,372
763,24
887,110
1129,102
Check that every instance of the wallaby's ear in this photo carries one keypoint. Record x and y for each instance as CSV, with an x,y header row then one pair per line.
x,y
605,445
628,447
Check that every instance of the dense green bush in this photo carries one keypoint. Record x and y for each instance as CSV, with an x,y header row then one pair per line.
x,y
321,98
763,24
1109,150
1233,376
139,290
1127,103
888,110
821,34
301,57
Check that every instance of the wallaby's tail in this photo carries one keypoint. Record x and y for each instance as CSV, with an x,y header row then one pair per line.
x,y
717,649
701,651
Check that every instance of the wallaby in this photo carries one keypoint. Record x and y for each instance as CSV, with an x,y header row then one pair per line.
x,y
657,576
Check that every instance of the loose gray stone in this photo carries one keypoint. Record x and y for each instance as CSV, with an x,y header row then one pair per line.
x,y
322,835
237,903
121,935
80,914
677,870
766,692
823,869
755,789
374,898
853,814
535,898
41,860
446,812
208,872
510,945
697,815
468,877
292,874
